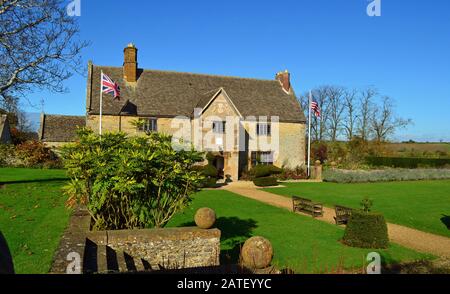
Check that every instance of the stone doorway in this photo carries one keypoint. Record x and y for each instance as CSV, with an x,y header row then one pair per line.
x,y
219,163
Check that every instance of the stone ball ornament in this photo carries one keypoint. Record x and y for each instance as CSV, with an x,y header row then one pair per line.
x,y
257,253
205,218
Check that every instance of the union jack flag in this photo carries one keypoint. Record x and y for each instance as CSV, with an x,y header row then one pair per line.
x,y
109,86
315,107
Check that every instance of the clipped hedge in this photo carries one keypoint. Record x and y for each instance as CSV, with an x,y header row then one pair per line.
x,y
386,175
366,230
265,181
407,162
261,171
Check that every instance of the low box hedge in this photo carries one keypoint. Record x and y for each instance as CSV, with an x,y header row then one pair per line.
x,y
407,162
366,230
265,181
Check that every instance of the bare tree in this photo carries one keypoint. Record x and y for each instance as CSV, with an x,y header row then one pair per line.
x,y
366,108
319,124
39,46
384,122
351,114
335,111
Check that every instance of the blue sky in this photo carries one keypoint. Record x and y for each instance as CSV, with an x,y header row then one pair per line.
x,y
404,52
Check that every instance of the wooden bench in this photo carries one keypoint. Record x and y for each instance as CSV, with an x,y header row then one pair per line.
x,y
342,214
307,206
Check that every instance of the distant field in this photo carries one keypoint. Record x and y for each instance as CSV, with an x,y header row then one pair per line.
x,y
418,148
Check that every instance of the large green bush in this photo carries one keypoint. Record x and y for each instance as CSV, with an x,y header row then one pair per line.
x,y
408,162
366,230
265,181
129,182
386,175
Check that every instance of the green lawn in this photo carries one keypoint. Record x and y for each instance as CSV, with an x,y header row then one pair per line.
x,y
300,242
32,216
424,205
22,175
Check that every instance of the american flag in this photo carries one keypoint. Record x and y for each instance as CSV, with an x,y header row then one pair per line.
x,y
315,107
109,86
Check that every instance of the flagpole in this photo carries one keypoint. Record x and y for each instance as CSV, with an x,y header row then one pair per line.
x,y
309,134
101,104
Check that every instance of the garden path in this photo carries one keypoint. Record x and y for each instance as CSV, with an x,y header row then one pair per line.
x,y
408,237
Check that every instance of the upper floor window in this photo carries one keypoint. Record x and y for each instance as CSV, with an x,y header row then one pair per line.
x,y
219,127
263,129
148,125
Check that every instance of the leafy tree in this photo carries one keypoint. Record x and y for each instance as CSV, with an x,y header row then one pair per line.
x,y
129,182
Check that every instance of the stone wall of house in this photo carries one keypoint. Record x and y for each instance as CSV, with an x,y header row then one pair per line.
x,y
290,142
187,247
292,145
114,123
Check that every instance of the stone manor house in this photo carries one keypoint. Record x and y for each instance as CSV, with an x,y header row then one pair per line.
x,y
263,110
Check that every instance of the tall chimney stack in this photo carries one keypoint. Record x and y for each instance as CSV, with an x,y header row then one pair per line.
x,y
130,63
285,80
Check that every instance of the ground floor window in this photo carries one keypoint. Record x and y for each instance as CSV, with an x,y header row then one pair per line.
x,y
148,125
262,157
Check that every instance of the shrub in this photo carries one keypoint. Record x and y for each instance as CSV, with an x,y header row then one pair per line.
x,y
275,170
209,172
129,183
210,158
265,181
6,154
298,173
366,230
365,176
261,171
366,204
34,153
53,164
407,162
320,152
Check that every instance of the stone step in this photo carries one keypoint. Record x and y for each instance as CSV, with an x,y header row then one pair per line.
x,y
139,265
122,264
102,259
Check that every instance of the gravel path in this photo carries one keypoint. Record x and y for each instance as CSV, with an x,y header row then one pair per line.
x,y
408,237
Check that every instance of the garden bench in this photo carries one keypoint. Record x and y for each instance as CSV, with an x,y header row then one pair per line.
x,y
342,214
307,206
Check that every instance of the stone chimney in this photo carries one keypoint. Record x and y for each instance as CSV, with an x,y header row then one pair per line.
x,y
285,80
130,73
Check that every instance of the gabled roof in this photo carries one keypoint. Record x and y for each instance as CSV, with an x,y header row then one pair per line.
x,y
222,91
169,94
60,128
